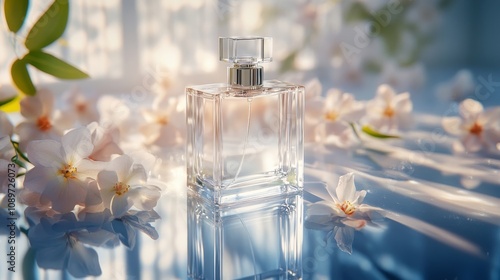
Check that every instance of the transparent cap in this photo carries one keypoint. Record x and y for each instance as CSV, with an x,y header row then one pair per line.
x,y
245,50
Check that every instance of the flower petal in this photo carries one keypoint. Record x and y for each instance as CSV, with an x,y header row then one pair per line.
x,y
452,125
470,108
120,204
77,145
344,237
83,261
145,198
47,153
106,180
345,188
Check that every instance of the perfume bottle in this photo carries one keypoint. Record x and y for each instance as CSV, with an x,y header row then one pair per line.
x,y
245,137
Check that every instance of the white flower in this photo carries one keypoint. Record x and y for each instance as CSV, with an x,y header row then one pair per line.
x,y
476,127
59,244
82,108
105,141
333,116
344,212
461,85
424,15
42,121
61,169
163,122
389,111
123,186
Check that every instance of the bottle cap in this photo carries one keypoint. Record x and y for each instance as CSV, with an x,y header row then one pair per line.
x,y
245,50
245,53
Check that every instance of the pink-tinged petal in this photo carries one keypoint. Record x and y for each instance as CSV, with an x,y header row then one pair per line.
x,y
386,93
137,175
122,165
333,98
93,200
471,143
66,196
89,168
345,188
355,224
31,107
146,159
77,145
452,125
491,117
323,212
402,103
470,108
314,108
313,88
106,180
47,99
28,131
6,127
491,138
344,237
39,177
63,121
47,153
120,205
336,128
145,197
83,261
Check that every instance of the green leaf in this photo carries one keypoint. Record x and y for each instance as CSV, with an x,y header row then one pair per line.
x,y
357,12
54,66
21,77
15,13
370,131
8,100
49,27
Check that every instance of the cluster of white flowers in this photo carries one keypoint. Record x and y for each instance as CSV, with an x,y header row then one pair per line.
x,y
331,119
87,183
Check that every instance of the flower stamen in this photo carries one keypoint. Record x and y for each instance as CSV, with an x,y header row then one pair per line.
x,y
43,123
331,116
120,188
68,171
388,112
163,120
347,207
476,129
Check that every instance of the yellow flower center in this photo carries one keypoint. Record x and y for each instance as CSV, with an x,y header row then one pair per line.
x,y
163,120
388,112
68,171
81,107
476,129
331,116
347,207
120,188
43,123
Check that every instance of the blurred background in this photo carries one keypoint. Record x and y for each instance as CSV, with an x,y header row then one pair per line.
x,y
124,44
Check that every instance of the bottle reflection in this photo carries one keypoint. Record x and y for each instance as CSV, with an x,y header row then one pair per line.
x,y
258,240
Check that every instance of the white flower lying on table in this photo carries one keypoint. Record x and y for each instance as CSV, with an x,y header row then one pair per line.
x,y
333,115
388,112
476,127
344,212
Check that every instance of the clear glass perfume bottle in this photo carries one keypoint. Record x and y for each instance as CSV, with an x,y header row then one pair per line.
x,y
245,137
